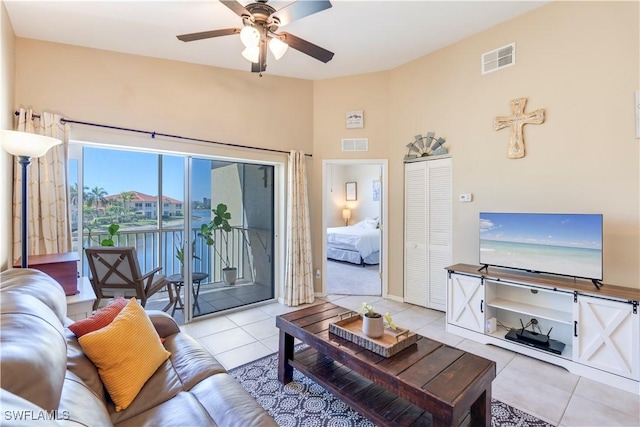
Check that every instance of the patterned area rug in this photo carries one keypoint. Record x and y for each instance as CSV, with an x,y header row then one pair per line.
x,y
304,403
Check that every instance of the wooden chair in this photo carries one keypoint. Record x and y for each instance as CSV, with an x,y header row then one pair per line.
x,y
115,271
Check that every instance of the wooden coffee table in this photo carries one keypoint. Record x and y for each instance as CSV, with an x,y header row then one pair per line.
x,y
428,383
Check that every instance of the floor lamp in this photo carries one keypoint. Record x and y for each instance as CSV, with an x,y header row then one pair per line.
x,y
26,146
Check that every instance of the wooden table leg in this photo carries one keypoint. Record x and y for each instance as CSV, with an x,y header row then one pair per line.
x,y
440,422
481,409
285,353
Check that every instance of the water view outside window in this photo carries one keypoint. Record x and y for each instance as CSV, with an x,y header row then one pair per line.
x,y
143,193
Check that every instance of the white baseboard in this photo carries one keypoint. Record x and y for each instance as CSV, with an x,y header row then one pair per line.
x,y
393,298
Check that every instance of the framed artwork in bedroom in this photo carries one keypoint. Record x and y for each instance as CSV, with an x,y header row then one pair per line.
x,y
376,190
351,191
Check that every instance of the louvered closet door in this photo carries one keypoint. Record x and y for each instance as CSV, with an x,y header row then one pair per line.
x,y
427,232
415,233
439,226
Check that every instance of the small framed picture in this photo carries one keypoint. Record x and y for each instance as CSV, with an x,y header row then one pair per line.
x,y
351,191
355,119
376,190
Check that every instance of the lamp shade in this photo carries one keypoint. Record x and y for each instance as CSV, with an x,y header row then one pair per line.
x,y
277,47
346,213
249,36
26,144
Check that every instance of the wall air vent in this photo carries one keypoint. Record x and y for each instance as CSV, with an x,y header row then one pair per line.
x,y
502,57
355,144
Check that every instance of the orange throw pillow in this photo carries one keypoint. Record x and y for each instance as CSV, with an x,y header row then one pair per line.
x,y
99,320
127,353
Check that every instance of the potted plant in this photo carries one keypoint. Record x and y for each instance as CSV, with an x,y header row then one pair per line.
x,y
373,323
220,221
113,230
180,253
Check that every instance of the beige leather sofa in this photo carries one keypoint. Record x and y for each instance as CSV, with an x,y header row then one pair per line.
x,y
47,380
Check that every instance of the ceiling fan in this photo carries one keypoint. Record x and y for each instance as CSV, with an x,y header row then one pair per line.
x,y
260,23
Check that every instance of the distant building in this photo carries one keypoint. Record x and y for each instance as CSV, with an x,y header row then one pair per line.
x,y
147,205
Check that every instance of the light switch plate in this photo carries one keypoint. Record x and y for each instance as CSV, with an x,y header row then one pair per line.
x,y
465,197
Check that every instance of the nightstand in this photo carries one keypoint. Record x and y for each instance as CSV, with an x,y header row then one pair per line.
x,y
80,305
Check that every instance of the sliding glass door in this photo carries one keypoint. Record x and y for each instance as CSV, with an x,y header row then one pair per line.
x,y
233,262
145,195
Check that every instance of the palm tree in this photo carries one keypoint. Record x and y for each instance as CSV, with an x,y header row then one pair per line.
x,y
126,196
73,194
97,196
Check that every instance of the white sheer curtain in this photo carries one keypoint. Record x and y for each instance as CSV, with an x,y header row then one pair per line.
x,y
49,231
299,274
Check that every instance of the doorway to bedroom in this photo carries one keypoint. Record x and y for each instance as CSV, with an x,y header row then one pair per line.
x,y
354,208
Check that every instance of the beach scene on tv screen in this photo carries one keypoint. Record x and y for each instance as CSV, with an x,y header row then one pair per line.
x,y
567,244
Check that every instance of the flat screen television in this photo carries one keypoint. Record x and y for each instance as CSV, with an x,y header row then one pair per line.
x,y
564,244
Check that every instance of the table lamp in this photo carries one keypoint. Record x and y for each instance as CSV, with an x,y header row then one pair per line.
x,y
26,146
346,215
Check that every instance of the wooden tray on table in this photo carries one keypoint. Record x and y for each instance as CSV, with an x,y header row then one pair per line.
x,y
390,343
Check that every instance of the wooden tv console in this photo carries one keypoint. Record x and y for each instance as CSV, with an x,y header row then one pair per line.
x,y
599,327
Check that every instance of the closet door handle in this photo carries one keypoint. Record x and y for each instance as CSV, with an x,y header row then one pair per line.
x,y
575,328
481,306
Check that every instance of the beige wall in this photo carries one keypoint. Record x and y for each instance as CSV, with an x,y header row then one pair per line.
x,y
577,60
164,96
7,83
331,100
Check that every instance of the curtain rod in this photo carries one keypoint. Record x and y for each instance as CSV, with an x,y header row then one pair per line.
x,y
154,134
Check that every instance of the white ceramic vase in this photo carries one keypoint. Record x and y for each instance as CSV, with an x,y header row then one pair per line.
x,y
373,327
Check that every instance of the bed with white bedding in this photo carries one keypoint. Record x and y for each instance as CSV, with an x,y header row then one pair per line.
x,y
357,244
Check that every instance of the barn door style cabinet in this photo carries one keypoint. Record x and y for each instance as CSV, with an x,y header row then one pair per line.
x,y
600,329
427,231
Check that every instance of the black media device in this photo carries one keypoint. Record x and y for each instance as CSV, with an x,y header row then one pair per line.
x,y
532,336
539,341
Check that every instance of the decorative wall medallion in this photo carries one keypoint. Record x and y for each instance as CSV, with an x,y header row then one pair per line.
x,y
424,146
515,122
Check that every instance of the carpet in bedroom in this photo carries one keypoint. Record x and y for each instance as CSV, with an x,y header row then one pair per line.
x,y
349,279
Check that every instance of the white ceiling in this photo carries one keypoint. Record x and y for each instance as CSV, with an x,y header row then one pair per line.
x,y
366,36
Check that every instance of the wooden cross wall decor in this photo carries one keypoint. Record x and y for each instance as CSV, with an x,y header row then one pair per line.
x,y
516,121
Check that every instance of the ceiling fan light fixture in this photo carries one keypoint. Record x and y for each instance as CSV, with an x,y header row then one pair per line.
x,y
277,47
252,54
260,23
249,36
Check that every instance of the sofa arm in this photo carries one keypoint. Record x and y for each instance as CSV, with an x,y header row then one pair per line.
x,y
164,324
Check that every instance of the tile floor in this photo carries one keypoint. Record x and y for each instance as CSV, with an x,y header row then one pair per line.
x,y
549,392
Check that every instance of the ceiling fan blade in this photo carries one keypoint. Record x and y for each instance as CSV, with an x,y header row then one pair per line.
x,y
236,7
208,34
306,47
300,9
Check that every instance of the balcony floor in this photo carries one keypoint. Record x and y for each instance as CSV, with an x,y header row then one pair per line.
x,y
215,297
